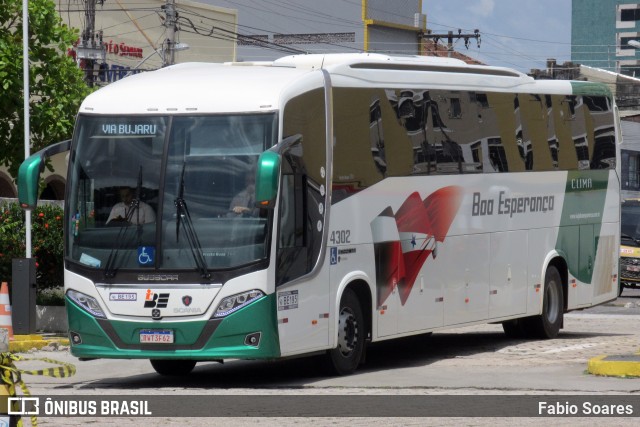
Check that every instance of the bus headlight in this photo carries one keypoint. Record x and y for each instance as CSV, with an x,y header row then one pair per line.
x,y
90,304
236,302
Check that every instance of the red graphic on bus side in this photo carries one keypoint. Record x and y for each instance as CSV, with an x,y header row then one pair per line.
x,y
419,226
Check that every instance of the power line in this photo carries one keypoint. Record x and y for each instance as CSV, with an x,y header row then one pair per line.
x,y
450,36
255,40
240,37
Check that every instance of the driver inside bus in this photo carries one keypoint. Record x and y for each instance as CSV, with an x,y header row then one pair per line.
x,y
143,214
244,202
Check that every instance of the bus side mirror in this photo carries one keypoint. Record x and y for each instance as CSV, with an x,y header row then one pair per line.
x,y
268,171
29,173
267,174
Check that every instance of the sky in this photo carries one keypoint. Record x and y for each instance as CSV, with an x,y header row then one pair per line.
x,y
518,34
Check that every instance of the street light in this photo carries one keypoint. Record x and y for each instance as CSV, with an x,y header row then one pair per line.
x,y
183,46
26,94
168,50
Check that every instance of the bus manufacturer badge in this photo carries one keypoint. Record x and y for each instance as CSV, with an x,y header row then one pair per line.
x,y
186,300
153,300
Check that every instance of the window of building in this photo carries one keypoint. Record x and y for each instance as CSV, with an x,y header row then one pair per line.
x,y
627,15
455,110
630,70
480,98
624,41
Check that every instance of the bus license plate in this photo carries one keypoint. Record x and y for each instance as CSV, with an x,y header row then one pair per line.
x,y
161,336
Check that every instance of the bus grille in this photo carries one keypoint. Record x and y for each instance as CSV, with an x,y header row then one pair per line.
x,y
627,265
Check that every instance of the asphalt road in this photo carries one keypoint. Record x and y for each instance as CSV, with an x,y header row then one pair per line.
x,y
475,360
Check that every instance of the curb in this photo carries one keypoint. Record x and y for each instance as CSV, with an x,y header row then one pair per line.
x,y
615,366
24,343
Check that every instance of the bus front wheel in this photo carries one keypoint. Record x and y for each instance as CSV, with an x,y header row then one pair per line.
x,y
173,367
345,358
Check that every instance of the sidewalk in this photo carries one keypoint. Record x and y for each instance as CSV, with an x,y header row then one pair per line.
x,y
616,365
24,343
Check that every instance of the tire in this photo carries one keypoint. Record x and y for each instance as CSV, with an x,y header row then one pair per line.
x,y
548,324
345,358
173,368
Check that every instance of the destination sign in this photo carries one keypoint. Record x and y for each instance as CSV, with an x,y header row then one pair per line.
x,y
129,129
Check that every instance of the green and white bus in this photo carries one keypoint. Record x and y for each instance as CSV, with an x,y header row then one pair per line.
x,y
393,196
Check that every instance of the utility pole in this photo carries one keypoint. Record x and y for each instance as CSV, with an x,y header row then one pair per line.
x,y
90,47
450,36
171,21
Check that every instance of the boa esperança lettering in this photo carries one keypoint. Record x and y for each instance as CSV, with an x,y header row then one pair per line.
x,y
510,205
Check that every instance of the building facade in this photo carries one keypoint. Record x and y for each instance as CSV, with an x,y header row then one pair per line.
x,y
603,35
626,91
600,34
131,36
271,29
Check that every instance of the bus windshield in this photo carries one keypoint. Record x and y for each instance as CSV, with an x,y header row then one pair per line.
x,y
167,193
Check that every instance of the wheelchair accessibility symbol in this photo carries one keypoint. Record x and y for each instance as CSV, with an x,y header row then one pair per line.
x,y
146,255
334,256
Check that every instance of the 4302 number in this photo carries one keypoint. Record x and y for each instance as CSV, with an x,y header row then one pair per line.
x,y
340,237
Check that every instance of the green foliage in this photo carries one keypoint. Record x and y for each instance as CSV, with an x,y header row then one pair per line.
x,y
46,238
50,296
56,82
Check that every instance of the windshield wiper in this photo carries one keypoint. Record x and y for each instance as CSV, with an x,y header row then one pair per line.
x,y
109,268
192,237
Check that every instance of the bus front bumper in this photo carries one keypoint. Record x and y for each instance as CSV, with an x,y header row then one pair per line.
x,y
250,333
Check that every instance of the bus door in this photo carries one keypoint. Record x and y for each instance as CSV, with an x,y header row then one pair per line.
x,y
302,282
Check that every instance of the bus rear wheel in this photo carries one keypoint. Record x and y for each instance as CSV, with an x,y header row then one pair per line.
x,y
173,367
548,324
345,358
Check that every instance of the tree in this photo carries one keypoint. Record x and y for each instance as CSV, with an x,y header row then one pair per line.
x,y
56,83
47,242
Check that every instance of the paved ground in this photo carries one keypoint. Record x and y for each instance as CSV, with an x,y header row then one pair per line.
x,y
477,360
